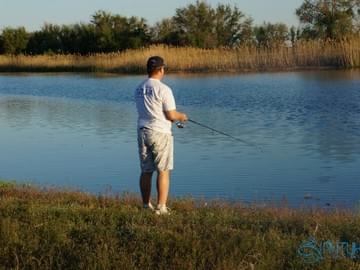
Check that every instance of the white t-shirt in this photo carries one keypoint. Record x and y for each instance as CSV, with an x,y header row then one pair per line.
x,y
152,98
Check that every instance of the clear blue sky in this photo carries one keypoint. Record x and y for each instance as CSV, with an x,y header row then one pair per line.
x,y
33,13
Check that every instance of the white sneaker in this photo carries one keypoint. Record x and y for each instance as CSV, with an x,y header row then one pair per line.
x,y
149,206
162,210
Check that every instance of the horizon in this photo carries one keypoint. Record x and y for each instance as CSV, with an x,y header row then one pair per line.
x,y
33,15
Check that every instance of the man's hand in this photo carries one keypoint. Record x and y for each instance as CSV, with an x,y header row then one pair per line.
x,y
184,118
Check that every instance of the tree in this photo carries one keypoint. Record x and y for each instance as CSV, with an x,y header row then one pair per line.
x,y
136,34
200,25
295,34
195,25
105,40
78,38
14,40
1,45
269,34
328,18
164,32
47,40
115,32
231,26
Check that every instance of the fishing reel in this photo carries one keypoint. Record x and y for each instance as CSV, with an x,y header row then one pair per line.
x,y
180,125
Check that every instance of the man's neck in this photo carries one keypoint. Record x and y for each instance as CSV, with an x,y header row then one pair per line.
x,y
156,77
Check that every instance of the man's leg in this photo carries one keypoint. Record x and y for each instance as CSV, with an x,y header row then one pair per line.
x,y
145,186
163,179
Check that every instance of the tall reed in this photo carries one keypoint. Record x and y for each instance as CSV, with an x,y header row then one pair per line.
x,y
303,55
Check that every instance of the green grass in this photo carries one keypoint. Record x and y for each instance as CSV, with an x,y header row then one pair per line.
x,y
48,228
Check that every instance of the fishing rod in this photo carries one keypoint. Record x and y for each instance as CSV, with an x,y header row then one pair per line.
x,y
180,125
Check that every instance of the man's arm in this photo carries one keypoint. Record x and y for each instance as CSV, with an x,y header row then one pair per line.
x,y
174,115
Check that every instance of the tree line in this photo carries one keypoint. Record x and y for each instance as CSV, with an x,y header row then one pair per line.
x,y
197,25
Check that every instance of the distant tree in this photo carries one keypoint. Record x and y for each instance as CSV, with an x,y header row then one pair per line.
x,y
328,18
14,40
136,35
78,38
270,34
232,27
165,32
195,25
247,32
308,33
47,40
200,25
295,34
2,51
115,32
104,31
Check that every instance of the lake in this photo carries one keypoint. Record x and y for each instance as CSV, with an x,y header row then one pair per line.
x,y
301,132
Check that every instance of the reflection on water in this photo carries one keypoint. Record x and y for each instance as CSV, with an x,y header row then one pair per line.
x,y
66,142
74,130
103,118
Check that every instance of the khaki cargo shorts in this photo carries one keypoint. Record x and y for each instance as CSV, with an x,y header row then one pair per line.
x,y
155,150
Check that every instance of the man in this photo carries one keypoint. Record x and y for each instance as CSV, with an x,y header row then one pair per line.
x,y
156,108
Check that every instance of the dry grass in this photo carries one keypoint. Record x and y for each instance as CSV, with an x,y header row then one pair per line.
x,y
305,55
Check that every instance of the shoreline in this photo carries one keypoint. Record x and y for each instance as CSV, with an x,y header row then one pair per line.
x,y
170,73
50,228
107,193
308,203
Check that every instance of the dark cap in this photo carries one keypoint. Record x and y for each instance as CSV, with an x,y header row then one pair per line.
x,y
154,63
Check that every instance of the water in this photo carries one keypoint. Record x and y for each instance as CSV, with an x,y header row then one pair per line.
x,y
79,131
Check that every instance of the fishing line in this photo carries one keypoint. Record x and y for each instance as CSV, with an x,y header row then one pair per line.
x,y
180,125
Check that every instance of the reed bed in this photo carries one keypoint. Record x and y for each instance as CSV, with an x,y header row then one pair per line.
x,y
303,55
48,228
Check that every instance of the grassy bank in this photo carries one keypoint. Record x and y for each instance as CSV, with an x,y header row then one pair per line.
x,y
54,229
305,55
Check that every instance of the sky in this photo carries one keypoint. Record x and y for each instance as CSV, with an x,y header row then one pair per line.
x,y
32,14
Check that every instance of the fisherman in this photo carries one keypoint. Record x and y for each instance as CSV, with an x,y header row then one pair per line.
x,y
156,109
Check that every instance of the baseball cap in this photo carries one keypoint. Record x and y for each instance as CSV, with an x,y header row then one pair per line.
x,y
154,62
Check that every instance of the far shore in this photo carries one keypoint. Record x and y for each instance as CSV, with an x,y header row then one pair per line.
x,y
10,70
310,55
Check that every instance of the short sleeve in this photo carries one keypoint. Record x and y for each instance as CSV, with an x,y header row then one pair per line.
x,y
168,100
